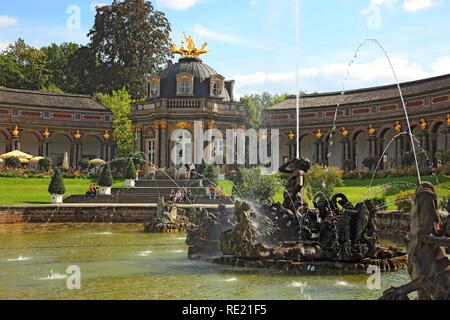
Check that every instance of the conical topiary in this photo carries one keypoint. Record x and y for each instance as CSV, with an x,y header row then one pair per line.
x,y
56,186
130,172
106,179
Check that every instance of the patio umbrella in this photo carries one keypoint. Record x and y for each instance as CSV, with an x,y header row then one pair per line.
x,y
65,164
1,160
96,162
16,154
24,161
36,159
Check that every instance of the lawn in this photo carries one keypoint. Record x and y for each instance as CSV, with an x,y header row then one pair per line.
x,y
34,191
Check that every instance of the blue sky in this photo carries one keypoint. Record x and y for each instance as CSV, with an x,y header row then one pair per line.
x,y
254,41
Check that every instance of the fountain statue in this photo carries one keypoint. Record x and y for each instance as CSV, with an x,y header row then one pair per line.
x,y
334,234
428,264
168,218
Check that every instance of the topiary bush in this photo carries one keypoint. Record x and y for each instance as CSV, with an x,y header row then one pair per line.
x,y
45,164
106,179
445,204
13,162
56,185
84,164
323,180
370,162
130,170
207,174
404,201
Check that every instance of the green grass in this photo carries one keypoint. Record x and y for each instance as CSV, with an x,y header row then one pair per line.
x,y
34,191
15,191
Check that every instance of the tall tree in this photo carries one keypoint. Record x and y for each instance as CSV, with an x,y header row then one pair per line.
x,y
120,104
256,103
57,59
84,67
22,66
131,40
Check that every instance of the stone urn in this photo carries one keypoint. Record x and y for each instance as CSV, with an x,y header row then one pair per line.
x,y
56,198
104,191
130,183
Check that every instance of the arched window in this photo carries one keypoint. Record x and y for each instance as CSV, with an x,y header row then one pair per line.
x,y
153,87
185,83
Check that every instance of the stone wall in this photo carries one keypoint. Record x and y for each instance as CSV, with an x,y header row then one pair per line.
x,y
391,222
67,214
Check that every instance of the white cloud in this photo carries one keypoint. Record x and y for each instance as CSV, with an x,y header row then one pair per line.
x,y
416,5
7,21
178,4
214,35
3,45
375,72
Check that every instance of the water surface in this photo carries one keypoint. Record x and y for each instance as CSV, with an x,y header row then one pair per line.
x,y
123,262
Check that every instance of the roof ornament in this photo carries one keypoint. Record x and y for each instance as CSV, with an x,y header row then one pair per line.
x,y
191,50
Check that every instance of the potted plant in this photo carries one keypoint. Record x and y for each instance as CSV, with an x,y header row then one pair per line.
x,y
56,187
105,181
130,174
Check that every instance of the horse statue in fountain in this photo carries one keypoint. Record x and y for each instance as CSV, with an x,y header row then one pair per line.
x,y
428,265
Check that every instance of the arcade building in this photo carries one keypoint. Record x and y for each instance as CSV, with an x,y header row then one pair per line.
x,y
51,125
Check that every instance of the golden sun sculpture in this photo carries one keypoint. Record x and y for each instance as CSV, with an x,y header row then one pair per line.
x,y
191,49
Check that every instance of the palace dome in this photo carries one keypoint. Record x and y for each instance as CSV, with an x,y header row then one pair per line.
x,y
202,79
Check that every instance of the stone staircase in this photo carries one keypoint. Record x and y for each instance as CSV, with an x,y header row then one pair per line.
x,y
148,191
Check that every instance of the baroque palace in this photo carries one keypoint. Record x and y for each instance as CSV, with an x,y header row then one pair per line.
x,y
51,125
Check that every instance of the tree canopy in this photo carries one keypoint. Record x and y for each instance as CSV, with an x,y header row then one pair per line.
x,y
256,103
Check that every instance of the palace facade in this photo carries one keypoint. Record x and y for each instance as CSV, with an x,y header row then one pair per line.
x,y
368,121
50,125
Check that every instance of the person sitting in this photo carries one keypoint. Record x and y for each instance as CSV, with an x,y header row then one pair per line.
x,y
179,196
222,193
212,192
172,195
92,192
190,196
152,172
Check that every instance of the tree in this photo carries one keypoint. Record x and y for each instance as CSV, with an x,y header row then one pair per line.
x,y
322,181
22,66
57,58
252,185
131,40
120,104
84,68
106,179
256,103
130,171
56,185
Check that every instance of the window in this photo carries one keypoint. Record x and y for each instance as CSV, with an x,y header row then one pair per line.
x,y
154,89
184,87
151,150
183,149
217,88
185,84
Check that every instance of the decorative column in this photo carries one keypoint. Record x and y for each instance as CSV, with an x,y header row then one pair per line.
x,y
292,143
78,148
319,147
424,135
447,134
372,141
164,147
15,140
46,143
346,154
106,146
157,144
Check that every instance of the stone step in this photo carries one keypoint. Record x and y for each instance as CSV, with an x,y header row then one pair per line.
x,y
167,183
157,191
139,200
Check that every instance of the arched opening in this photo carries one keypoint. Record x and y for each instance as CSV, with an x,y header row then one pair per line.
x,y
29,143
60,145
388,146
91,148
287,151
335,152
182,147
441,137
308,147
361,149
3,143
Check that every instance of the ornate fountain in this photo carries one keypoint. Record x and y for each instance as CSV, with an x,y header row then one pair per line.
x,y
335,235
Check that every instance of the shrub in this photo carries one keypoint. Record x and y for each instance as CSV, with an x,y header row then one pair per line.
x,y
130,171
379,202
370,162
84,164
252,185
349,165
443,156
45,164
208,174
445,204
323,180
13,162
404,201
407,159
56,185
138,158
106,179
